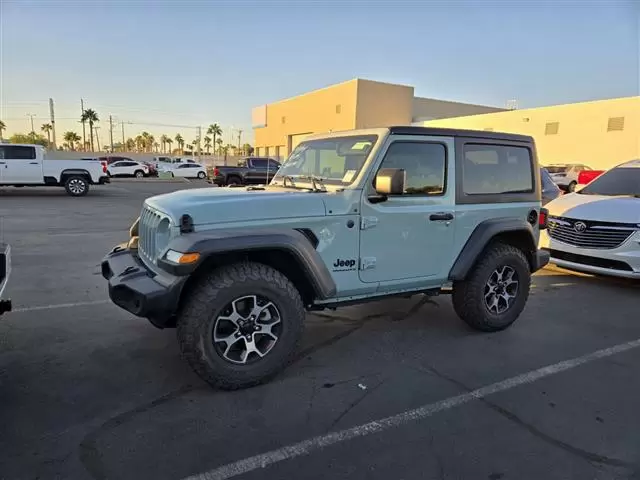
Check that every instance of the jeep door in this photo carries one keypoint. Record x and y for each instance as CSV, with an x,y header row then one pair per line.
x,y
407,238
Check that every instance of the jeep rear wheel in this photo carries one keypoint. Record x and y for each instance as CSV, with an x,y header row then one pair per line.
x,y
241,325
495,291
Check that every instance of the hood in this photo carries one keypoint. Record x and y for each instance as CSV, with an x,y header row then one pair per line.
x,y
221,205
596,208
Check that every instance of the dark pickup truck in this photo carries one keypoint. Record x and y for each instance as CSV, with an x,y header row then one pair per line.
x,y
250,171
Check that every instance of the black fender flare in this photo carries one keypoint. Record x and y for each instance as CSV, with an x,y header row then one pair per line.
x,y
216,242
75,171
483,234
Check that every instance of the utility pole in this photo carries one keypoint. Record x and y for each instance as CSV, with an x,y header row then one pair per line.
x,y
95,129
239,138
31,115
124,145
199,143
53,124
111,132
84,131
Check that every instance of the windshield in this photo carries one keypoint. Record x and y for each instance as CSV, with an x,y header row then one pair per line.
x,y
617,181
336,161
557,169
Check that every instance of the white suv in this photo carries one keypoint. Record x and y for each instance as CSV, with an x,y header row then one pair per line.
x,y
565,175
597,229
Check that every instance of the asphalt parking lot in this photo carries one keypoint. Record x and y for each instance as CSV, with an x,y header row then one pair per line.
x,y
398,389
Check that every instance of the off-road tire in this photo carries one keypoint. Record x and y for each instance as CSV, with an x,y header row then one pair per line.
x,y
72,183
204,304
468,294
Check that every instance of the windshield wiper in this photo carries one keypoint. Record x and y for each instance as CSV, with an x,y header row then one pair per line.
x,y
315,181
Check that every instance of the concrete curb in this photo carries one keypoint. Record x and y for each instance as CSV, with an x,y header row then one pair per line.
x,y
150,180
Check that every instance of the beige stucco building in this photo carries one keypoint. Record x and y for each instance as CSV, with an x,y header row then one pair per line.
x,y
280,126
600,134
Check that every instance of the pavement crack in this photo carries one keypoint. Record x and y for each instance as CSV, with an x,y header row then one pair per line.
x,y
590,457
89,454
355,403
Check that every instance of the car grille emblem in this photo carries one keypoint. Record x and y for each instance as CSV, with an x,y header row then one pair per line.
x,y
579,227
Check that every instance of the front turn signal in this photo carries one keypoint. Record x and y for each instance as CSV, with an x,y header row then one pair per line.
x,y
182,258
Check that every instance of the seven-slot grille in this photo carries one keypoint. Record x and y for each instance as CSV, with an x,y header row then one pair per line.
x,y
149,221
589,234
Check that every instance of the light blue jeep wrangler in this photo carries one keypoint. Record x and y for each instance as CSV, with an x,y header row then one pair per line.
x,y
350,217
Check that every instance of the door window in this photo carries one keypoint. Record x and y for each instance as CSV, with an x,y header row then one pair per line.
x,y
424,165
14,152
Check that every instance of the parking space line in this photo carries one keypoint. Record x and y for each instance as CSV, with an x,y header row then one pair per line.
x,y
306,447
58,305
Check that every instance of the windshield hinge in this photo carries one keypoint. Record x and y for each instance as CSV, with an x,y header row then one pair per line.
x,y
368,222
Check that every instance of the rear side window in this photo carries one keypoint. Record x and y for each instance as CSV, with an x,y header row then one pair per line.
x,y
11,152
497,169
259,163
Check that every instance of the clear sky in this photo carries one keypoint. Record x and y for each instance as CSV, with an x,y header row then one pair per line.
x,y
197,62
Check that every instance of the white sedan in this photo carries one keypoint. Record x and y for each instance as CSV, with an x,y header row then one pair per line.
x,y
597,228
189,170
128,168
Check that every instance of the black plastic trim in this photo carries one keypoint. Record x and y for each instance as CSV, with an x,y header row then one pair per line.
x,y
481,237
238,241
456,132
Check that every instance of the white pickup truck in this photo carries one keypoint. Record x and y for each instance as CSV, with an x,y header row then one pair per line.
x,y
27,166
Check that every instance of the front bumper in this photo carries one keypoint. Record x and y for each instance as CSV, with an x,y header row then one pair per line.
x,y
623,261
135,288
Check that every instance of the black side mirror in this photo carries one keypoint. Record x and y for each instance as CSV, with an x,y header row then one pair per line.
x,y
388,181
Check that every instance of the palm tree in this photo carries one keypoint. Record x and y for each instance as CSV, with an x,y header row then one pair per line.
x,y
156,147
207,143
179,141
169,142
46,127
215,131
140,143
71,138
90,116
163,141
130,144
219,142
3,127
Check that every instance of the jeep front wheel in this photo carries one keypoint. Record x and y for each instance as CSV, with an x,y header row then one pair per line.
x,y
495,291
241,325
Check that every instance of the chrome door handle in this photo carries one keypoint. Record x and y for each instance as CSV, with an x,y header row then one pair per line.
x,y
441,216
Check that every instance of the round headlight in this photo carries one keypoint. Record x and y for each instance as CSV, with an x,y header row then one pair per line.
x,y
163,234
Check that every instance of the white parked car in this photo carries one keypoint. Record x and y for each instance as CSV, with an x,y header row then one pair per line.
x,y
128,168
597,228
27,166
189,170
565,175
